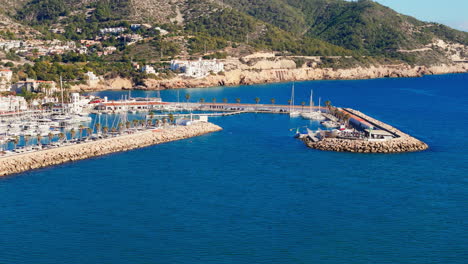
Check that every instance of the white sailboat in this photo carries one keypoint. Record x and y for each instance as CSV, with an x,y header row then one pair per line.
x,y
312,115
292,111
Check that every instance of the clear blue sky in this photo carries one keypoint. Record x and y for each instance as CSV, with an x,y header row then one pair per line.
x,y
453,13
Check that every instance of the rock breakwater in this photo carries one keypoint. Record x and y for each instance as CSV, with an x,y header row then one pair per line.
x,y
401,143
34,160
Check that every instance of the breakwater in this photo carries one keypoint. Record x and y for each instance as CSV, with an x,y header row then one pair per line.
x,y
401,143
44,158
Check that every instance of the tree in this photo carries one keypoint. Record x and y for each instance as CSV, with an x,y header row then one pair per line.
x,y
328,105
157,121
303,104
238,100
120,126
257,100
225,100
50,136
26,140
202,100
213,100
128,124
39,139
72,133
273,101
89,131
105,130
171,118
81,129
98,128
62,136
187,97
289,102
15,141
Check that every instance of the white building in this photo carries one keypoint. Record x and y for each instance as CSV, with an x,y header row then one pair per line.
x,y
5,80
148,69
12,103
197,69
114,30
92,78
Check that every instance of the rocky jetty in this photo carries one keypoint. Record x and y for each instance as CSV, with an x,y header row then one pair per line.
x,y
34,160
401,143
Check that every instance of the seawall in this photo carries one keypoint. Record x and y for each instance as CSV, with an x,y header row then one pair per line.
x,y
402,143
44,158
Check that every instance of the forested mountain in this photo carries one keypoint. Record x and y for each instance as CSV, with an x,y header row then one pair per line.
x,y
297,27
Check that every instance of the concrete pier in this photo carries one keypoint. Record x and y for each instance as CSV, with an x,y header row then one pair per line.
x,y
44,158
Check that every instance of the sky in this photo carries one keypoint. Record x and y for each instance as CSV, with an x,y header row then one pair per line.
x,y
453,13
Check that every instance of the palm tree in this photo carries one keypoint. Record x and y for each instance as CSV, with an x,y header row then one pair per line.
x,y
50,136
114,130
142,122
72,133
81,129
187,97
39,138
135,122
164,121
148,122
26,140
238,100
89,131
62,136
328,105
151,115
128,124
202,100
98,128
213,100
272,101
171,117
257,100
225,100
15,141
105,130
157,121
120,126
289,102
303,104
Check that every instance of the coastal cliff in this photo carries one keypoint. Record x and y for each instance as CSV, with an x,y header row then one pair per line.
x,y
34,160
282,71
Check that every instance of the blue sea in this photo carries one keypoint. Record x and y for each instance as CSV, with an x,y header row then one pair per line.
x,y
253,194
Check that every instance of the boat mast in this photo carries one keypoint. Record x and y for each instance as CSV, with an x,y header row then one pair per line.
x,y
61,93
311,100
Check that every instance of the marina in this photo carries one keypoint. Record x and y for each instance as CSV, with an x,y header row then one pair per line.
x,y
97,118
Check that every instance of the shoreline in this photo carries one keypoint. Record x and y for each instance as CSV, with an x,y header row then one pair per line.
x,y
280,75
44,158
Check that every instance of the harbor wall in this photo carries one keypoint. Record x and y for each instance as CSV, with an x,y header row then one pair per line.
x,y
401,143
44,158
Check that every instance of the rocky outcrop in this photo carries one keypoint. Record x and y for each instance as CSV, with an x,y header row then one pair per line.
x,y
401,143
44,158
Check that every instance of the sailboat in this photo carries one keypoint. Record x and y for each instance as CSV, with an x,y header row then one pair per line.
x,y
313,115
292,111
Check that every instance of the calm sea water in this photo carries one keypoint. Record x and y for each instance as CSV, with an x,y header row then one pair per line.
x,y
253,194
